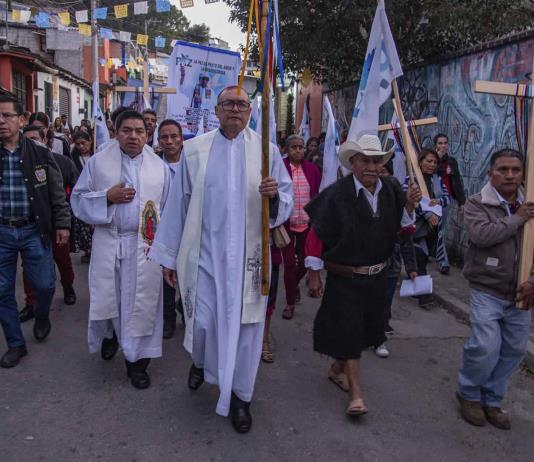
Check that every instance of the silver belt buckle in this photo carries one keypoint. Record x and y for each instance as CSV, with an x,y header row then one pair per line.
x,y
375,269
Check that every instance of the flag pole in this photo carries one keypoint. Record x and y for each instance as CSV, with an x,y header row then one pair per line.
x,y
265,147
96,83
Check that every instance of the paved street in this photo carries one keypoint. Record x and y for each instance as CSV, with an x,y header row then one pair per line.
x,y
61,404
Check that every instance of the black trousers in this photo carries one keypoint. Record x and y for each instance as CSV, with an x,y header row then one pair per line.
x,y
169,303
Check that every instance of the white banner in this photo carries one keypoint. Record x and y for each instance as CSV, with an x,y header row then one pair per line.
x,y
330,154
199,73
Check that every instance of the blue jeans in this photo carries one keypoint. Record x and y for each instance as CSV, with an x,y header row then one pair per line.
x,y
499,336
39,268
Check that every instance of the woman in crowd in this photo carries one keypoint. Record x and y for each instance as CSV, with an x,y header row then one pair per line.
x,y
312,150
428,228
82,151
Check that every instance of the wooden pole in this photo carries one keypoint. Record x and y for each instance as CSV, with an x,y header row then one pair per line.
x,y
411,157
527,244
265,147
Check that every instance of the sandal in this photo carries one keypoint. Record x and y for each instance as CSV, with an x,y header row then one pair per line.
x,y
289,312
356,408
266,353
340,380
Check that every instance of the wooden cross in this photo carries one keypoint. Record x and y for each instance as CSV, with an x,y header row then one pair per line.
x,y
146,90
524,91
413,123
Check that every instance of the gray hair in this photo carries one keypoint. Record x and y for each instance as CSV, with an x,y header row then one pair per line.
x,y
294,137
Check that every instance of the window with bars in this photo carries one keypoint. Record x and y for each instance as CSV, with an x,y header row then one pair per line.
x,y
19,87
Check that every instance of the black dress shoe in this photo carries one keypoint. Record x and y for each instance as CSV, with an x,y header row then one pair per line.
x,y
69,296
196,377
168,328
109,347
136,371
12,357
26,313
240,415
41,329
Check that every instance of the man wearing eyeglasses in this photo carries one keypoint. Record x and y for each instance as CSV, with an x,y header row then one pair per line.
x,y
209,240
33,211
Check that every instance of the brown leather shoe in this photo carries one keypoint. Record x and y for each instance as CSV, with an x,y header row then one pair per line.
x,y
497,417
472,411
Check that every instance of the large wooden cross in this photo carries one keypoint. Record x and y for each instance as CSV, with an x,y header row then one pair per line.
x,y
525,91
413,123
146,90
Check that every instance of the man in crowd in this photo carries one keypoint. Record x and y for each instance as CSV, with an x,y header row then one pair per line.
x,y
355,223
66,124
122,191
452,179
210,240
494,221
151,121
61,253
33,213
306,181
170,142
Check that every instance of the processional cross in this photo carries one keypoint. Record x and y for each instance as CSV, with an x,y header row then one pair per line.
x,y
522,91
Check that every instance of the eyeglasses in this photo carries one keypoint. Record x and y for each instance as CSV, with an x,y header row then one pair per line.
x,y
8,115
228,105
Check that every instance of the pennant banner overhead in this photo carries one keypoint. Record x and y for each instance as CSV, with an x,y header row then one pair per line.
x,y
15,15
160,42
380,68
42,19
210,1
64,18
106,33
199,73
25,16
142,39
82,16
121,11
85,29
100,13
163,6
187,3
141,8
125,36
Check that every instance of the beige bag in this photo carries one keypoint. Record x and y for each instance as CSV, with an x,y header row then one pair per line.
x,y
281,238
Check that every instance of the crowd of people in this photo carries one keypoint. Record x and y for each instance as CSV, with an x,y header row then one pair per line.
x,y
171,227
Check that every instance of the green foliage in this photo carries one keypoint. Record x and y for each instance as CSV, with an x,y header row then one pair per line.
x,y
330,36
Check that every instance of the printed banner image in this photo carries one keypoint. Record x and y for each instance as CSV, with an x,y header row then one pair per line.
x,y
199,74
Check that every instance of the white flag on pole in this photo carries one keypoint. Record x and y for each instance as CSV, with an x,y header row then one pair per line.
x,y
304,129
330,153
101,129
380,68
255,118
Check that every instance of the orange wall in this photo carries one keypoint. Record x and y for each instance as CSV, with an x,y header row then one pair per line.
x,y
7,71
316,106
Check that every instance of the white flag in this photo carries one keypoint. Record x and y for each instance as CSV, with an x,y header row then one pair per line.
x,y
255,118
82,16
304,129
101,129
380,68
141,8
125,36
25,16
330,153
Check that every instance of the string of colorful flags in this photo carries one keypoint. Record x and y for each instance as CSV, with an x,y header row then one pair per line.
x,y
46,20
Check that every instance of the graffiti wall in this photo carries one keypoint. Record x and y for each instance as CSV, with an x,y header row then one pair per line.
x,y
477,124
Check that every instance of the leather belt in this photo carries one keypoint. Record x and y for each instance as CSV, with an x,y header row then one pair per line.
x,y
16,222
351,271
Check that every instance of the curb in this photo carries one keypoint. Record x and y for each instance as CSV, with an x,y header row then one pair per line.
x,y
460,310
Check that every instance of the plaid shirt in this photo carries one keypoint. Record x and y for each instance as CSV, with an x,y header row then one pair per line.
x,y
299,219
14,201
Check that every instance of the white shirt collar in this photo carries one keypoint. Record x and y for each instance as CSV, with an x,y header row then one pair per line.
x,y
360,186
503,201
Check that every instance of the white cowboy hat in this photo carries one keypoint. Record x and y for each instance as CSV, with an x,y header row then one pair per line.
x,y
368,145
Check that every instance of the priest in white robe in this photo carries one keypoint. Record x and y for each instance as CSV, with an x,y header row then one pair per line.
x,y
122,191
210,241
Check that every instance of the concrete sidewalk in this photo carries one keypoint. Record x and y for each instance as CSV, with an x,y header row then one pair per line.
x,y
452,292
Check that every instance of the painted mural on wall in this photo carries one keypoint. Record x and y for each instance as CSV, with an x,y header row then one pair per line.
x,y
477,124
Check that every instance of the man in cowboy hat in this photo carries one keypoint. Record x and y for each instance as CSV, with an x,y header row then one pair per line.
x,y
354,224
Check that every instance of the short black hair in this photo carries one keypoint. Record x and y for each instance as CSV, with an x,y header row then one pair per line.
x,y
63,115
35,128
438,136
507,152
40,117
117,112
425,152
150,111
127,115
17,106
170,122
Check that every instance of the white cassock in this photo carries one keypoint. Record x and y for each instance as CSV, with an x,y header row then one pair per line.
x,y
90,205
228,349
